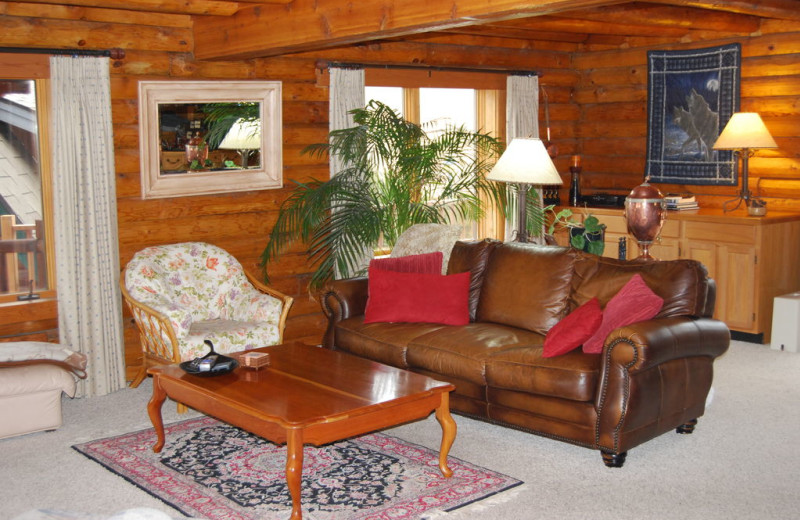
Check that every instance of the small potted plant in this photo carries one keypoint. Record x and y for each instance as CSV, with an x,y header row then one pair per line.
x,y
588,235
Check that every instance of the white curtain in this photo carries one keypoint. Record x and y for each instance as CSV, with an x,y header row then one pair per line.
x,y
85,211
522,120
346,93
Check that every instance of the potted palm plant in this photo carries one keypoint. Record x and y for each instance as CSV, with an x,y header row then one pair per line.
x,y
395,175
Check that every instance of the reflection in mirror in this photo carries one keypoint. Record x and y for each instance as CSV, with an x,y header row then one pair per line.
x,y
209,137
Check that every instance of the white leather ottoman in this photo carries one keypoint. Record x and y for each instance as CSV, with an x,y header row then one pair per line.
x,y
32,377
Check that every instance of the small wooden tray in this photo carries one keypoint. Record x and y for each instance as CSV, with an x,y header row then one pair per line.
x,y
253,360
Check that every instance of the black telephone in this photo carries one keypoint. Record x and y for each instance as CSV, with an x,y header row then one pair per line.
x,y
210,364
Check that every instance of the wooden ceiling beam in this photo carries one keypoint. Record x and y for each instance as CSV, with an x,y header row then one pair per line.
x,y
91,14
195,7
782,9
307,25
649,16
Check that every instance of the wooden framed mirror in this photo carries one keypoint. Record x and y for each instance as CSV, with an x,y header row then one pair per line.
x,y
201,137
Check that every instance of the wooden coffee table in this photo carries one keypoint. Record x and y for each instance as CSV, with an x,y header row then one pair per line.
x,y
308,395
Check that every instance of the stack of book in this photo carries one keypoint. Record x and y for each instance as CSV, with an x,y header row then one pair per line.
x,y
681,202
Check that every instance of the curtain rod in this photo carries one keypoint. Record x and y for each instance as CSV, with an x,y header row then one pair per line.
x,y
115,54
324,64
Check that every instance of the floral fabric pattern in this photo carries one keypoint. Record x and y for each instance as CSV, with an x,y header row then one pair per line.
x,y
204,292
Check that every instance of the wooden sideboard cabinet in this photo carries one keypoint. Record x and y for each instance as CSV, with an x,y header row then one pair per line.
x,y
752,259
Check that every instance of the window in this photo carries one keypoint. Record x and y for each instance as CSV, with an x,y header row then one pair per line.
x,y
434,109
25,262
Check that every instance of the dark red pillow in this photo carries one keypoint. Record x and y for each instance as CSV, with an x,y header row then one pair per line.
x,y
430,263
417,298
633,303
572,331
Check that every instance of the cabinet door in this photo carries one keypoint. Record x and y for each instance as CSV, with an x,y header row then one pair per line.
x,y
732,266
738,263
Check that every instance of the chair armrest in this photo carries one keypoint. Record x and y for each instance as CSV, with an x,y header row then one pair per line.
x,y
159,328
342,299
655,376
268,294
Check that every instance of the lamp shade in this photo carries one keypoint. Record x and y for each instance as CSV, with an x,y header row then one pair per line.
x,y
744,130
525,161
243,135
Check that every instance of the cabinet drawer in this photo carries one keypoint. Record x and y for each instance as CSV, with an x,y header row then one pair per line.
x,y
717,232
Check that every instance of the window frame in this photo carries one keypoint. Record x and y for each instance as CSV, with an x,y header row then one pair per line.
x,y
37,68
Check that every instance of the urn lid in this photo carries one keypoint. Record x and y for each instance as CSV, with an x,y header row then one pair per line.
x,y
645,191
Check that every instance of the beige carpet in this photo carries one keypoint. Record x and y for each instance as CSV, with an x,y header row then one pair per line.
x,y
742,461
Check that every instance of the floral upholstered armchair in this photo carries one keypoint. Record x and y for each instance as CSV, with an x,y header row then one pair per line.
x,y
183,294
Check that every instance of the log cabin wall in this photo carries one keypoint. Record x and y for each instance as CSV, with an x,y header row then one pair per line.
x,y
597,90
611,128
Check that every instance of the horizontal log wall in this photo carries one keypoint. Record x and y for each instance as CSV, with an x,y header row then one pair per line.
x,y
612,123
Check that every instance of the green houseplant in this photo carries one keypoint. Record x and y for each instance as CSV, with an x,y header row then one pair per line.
x,y
586,235
395,175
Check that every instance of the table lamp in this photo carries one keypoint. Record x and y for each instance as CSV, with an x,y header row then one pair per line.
x,y
744,133
244,137
525,162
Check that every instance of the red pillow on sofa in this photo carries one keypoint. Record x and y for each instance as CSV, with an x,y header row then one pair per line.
x,y
430,263
572,331
633,303
417,298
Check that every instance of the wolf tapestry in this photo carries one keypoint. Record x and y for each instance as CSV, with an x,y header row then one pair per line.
x,y
691,96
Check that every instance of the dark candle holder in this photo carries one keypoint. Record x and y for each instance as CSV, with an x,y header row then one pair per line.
x,y
575,186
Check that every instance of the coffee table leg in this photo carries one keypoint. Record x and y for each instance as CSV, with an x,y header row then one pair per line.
x,y
154,411
294,469
449,429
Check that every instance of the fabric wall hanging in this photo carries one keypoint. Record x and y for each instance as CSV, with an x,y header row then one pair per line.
x,y
691,95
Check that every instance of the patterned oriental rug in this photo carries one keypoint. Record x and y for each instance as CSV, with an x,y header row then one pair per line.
x,y
211,470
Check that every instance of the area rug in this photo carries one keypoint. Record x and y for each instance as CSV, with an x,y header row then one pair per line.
x,y
212,470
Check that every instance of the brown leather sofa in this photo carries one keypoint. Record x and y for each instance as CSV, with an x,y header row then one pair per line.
x,y
653,376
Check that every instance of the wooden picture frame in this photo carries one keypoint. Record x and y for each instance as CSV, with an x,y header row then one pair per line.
x,y
165,169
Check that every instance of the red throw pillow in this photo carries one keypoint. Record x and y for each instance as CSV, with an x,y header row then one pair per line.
x,y
417,298
430,263
572,331
633,303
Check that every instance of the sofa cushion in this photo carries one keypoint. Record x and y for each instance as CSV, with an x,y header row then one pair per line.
x,y
427,238
417,298
462,351
683,284
524,368
472,256
573,330
633,303
527,286
382,342
430,263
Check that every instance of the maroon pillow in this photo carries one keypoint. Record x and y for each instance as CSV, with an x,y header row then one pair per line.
x,y
417,298
572,331
430,263
633,303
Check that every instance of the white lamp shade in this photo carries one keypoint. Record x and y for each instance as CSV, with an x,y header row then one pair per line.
x,y
744,130
243,135
525,161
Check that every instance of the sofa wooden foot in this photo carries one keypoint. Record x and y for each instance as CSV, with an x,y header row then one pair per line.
x,y
687,428
614,460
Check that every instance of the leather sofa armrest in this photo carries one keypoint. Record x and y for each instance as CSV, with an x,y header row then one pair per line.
x,y
655,376
651,342
342,299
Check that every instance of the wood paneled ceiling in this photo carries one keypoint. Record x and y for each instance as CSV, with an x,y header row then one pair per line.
x,y
225,29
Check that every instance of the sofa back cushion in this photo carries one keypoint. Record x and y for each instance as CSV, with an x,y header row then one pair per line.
x,y
527,286
683,284
472,256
